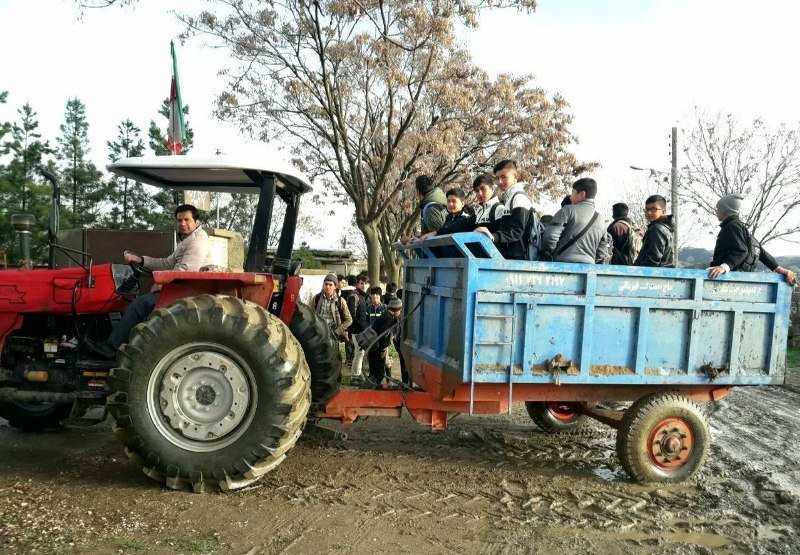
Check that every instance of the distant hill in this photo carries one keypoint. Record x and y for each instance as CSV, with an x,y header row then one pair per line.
x,y
699,258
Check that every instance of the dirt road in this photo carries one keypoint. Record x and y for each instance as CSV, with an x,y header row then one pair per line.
x,y
489,485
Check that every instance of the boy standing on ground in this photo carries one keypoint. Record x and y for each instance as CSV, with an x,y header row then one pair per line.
x,y
391,292
389,320
332,308
657,248
356,302
376,306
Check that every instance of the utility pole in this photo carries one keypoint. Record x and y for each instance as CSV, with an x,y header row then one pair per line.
x,y
674,184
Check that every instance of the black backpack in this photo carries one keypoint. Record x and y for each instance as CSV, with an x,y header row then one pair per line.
x,y
753,253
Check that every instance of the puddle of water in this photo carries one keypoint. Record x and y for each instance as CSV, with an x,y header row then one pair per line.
x,y
711,541
606,474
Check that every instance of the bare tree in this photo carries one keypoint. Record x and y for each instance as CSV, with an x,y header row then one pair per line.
x,y
373,93
763,164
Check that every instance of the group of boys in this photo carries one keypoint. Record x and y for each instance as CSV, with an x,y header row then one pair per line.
x,y
576,232
349,307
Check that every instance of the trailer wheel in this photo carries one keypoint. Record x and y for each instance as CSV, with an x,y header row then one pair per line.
x,y
321,351
663,437
556,416
211,393
35,417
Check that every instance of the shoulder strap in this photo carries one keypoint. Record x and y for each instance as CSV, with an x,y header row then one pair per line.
x,y
493,212
574,239
425,210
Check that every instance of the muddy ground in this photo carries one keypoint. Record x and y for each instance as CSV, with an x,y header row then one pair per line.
x,y
488,485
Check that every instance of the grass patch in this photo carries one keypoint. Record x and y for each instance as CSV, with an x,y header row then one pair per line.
x,y
137,545
193,544
793,357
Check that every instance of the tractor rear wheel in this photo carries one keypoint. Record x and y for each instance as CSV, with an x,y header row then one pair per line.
x,y
556,416
35,417
211,393
321,350
663,437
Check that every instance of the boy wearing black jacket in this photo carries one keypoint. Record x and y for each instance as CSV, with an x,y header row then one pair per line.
x,y
734,250
657,249
389,320
509,235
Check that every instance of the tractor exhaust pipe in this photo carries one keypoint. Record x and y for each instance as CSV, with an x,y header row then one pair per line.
x,y
24,224
53,224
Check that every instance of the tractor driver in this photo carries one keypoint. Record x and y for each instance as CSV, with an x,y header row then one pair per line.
x,y
192,253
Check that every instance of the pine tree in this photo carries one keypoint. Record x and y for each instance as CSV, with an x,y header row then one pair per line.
x,y
82,180
130,198
20,191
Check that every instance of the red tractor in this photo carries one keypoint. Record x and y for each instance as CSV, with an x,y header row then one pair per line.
x,y
213,389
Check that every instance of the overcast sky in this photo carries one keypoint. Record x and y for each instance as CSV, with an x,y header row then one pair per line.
x,y
630,69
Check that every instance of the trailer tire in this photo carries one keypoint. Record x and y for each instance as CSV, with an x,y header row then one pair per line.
x,y
35,417
663,437
211,393
321,352
555,417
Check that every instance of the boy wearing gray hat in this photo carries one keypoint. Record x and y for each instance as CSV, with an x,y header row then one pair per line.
x,y
736,250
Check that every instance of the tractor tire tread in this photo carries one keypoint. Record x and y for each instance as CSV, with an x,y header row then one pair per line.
x,y
275,427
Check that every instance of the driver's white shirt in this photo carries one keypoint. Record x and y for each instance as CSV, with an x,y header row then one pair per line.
x,y
191,254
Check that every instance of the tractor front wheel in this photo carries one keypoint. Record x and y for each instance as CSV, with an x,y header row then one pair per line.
x,y
211,393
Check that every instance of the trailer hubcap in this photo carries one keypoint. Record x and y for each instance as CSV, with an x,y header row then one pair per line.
x,y
562,411
202,395
670,443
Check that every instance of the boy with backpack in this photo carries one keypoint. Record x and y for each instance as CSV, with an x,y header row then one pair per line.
x,y
736,250
657,248
513,234
576,233
626,237
432,204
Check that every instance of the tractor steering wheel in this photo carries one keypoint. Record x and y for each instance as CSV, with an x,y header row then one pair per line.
x,y
139,270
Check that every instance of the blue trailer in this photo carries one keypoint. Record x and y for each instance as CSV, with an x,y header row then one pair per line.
x,y
483,332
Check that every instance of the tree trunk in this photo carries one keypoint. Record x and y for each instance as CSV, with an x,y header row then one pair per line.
x,y
370,232
125,203
393,268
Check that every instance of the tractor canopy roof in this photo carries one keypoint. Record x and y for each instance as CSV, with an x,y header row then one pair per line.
x,y
226,174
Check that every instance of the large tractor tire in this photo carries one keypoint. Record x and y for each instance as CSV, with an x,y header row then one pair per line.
x,y
321,351
211,393
556,417
35,417
663,437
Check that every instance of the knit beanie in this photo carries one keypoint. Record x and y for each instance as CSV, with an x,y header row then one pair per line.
x,y
394,304
332,278
730,204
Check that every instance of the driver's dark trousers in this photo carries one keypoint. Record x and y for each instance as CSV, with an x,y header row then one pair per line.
x,y
136,312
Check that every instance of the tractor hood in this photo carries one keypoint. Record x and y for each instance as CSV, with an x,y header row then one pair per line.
x,y
222,173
